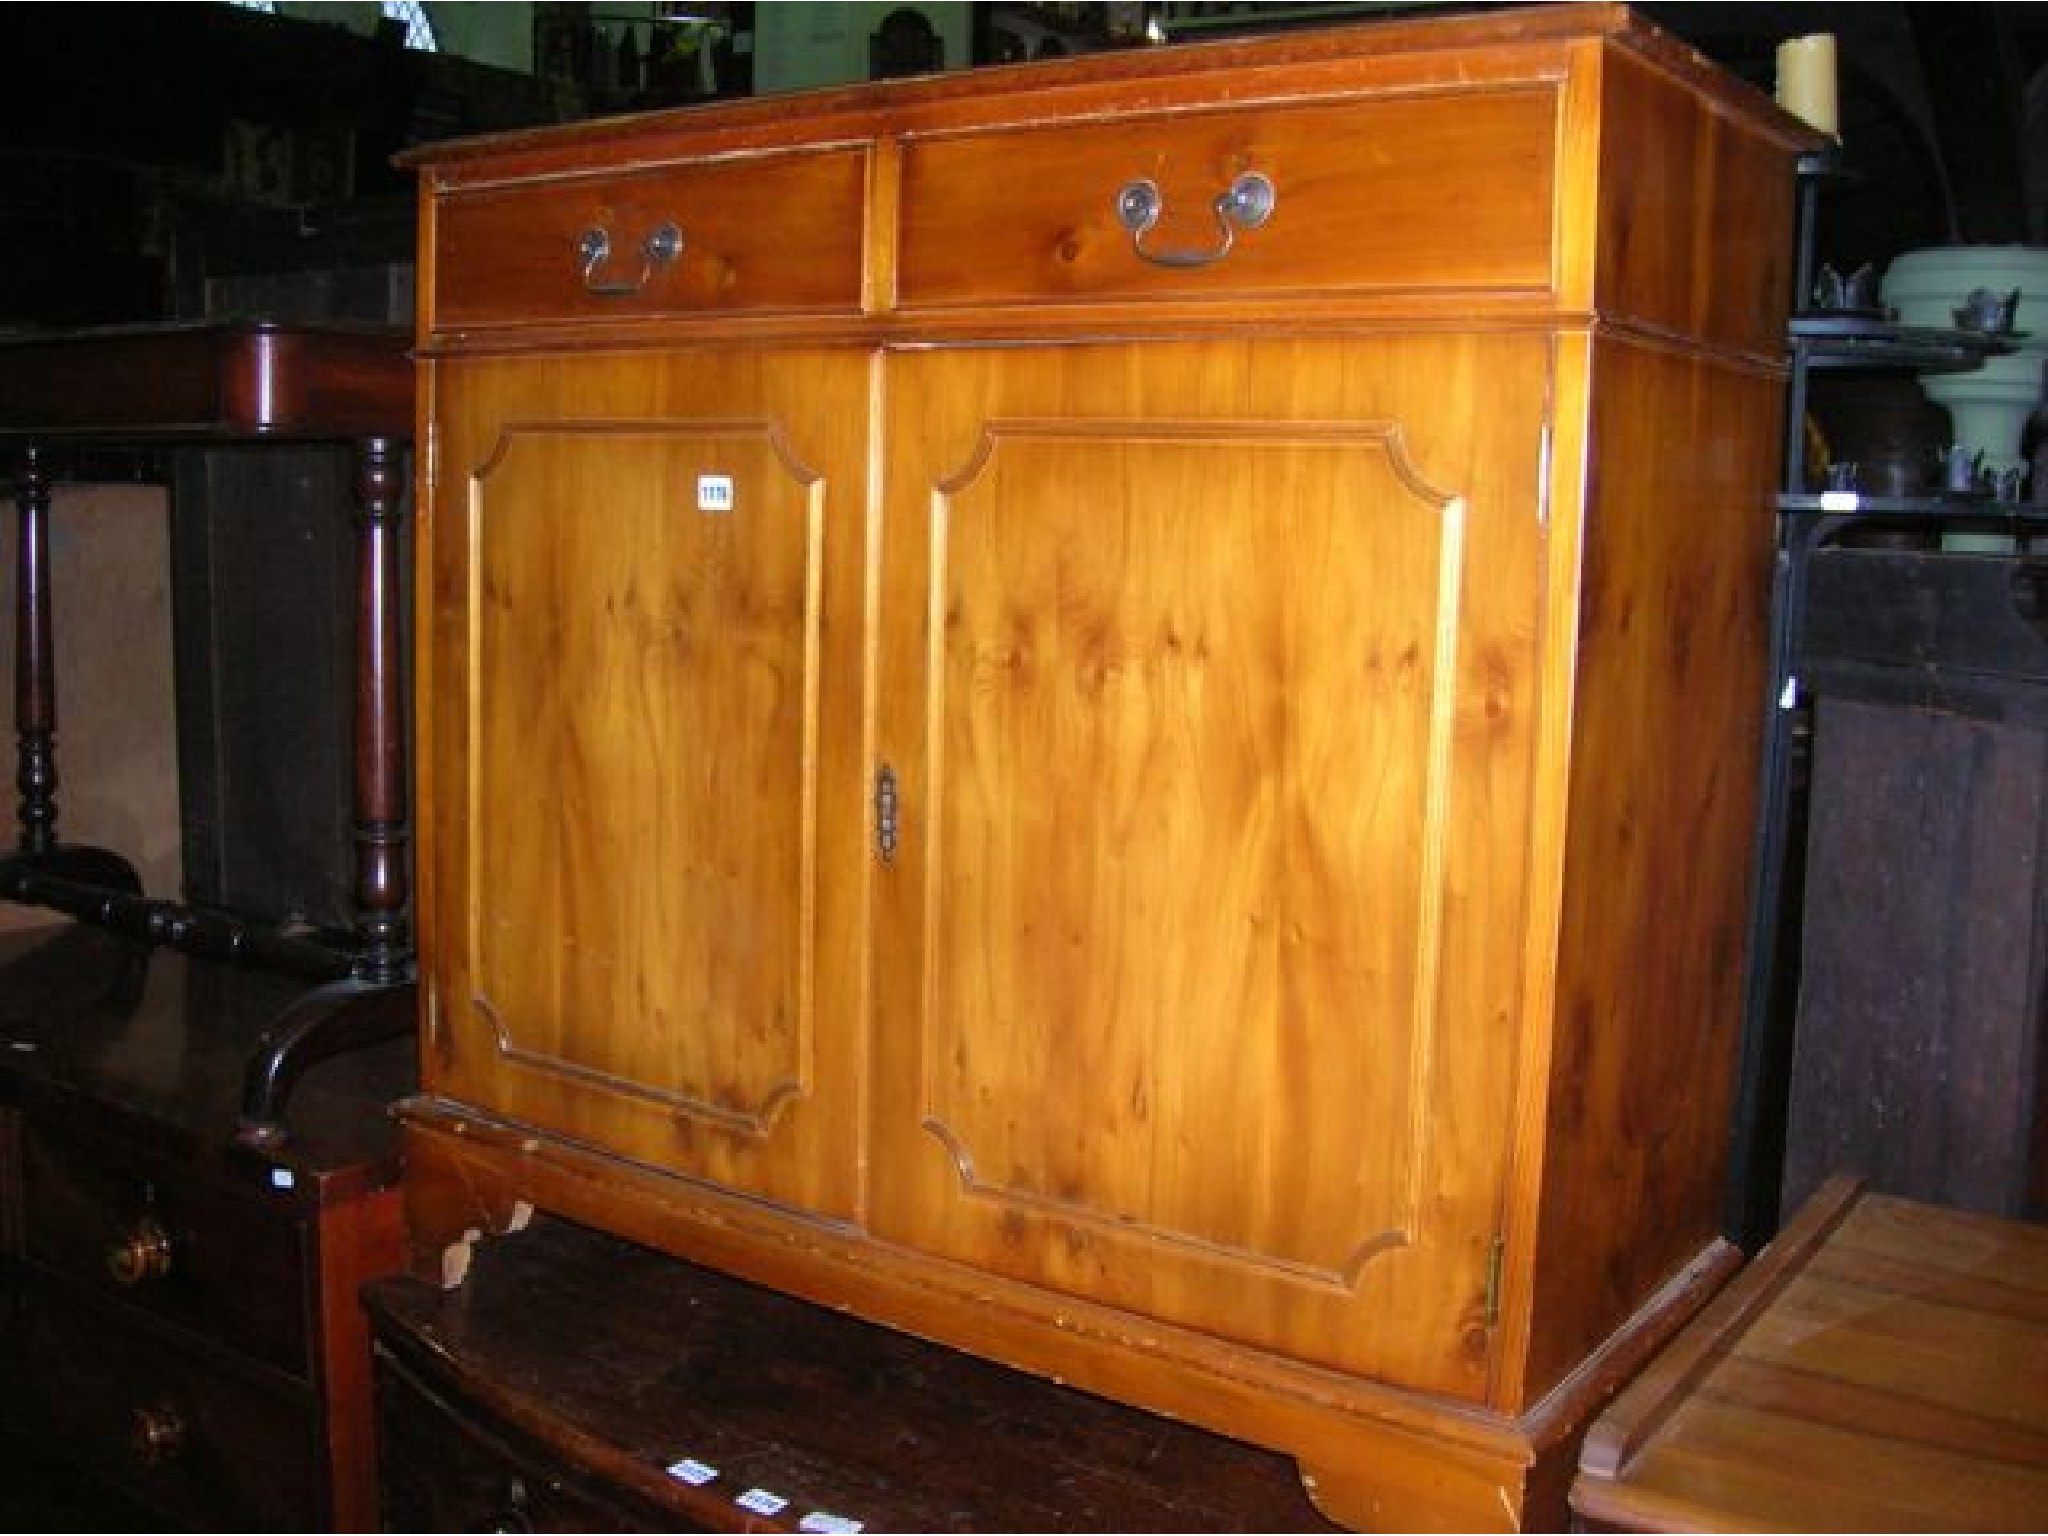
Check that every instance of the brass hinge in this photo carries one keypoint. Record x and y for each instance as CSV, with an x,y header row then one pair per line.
x,y
1493,1263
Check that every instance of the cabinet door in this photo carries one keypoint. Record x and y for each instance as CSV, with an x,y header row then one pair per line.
x,y
1208,699
640,564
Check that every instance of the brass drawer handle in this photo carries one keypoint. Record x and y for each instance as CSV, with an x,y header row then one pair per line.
x,y
157,1435
1245,204
145,1254
594,249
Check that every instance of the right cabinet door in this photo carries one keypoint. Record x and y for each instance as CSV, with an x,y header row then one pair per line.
x,y
1206,710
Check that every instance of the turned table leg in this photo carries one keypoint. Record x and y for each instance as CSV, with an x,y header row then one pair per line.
x,y
375,1001
38,853
382,927
35,682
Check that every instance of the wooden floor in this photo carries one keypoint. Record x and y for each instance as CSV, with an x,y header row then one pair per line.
x,y
1882,1366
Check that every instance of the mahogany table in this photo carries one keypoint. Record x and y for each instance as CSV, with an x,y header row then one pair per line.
x,y
579,1382
215,382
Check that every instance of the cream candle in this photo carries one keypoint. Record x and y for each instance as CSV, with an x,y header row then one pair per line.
x,y
1806,80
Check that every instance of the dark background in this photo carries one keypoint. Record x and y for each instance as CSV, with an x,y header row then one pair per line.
x,y
134,138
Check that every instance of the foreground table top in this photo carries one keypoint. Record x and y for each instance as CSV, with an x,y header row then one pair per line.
x,y
663,1395
1883,1365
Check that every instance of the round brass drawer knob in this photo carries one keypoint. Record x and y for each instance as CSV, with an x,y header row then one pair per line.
x,y
145,1254
159,1435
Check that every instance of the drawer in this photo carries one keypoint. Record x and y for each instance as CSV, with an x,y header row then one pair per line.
x,y
219,1261
211,1448
441,1468
1433,191
758,234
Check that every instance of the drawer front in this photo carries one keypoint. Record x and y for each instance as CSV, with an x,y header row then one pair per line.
x,y
441,1469
219,1262
1425,192
168,1428
753,236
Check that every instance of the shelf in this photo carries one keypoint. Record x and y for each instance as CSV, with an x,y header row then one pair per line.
x,y
1954,509
1859,340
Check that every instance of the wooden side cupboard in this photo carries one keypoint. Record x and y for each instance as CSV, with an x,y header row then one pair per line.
x,y
1107,711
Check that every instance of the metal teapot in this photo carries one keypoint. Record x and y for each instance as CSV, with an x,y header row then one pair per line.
x,y
1984,310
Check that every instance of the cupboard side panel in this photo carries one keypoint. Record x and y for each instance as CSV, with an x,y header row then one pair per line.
x,y
1673,625
1695,222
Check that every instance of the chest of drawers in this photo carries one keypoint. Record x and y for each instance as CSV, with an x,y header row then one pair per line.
x,y
180,1320
580,1383
1109,712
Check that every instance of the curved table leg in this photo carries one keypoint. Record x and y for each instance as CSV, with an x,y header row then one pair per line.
x,y
326,1021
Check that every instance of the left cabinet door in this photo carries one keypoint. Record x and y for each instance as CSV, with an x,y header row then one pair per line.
x,y
640,741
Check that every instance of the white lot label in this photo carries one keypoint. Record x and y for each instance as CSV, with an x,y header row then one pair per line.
x,y
714,493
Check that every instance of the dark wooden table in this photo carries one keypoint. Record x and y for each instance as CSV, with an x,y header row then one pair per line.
x,y
575,1381
211,383
156,1272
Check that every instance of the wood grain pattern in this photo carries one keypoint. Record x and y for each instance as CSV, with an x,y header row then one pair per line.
x,y
1030,216
1662,789
360,1242
543,1364
1917,1059
205,380
1199,847
1684,173
764,232
1102,959
1884,1366
1372,1456
634,691
991,193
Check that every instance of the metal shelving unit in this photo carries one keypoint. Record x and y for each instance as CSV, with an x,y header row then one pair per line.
x,y
1810,519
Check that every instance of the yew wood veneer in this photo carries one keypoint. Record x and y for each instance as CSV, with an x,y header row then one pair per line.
x,y
1108,711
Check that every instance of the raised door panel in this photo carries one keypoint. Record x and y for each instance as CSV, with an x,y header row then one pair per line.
x,y
635,941
1208,697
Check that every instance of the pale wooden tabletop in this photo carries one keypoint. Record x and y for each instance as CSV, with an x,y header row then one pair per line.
x,y
1881,1366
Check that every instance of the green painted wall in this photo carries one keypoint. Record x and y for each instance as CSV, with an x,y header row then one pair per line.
x,y
803,44
797,43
